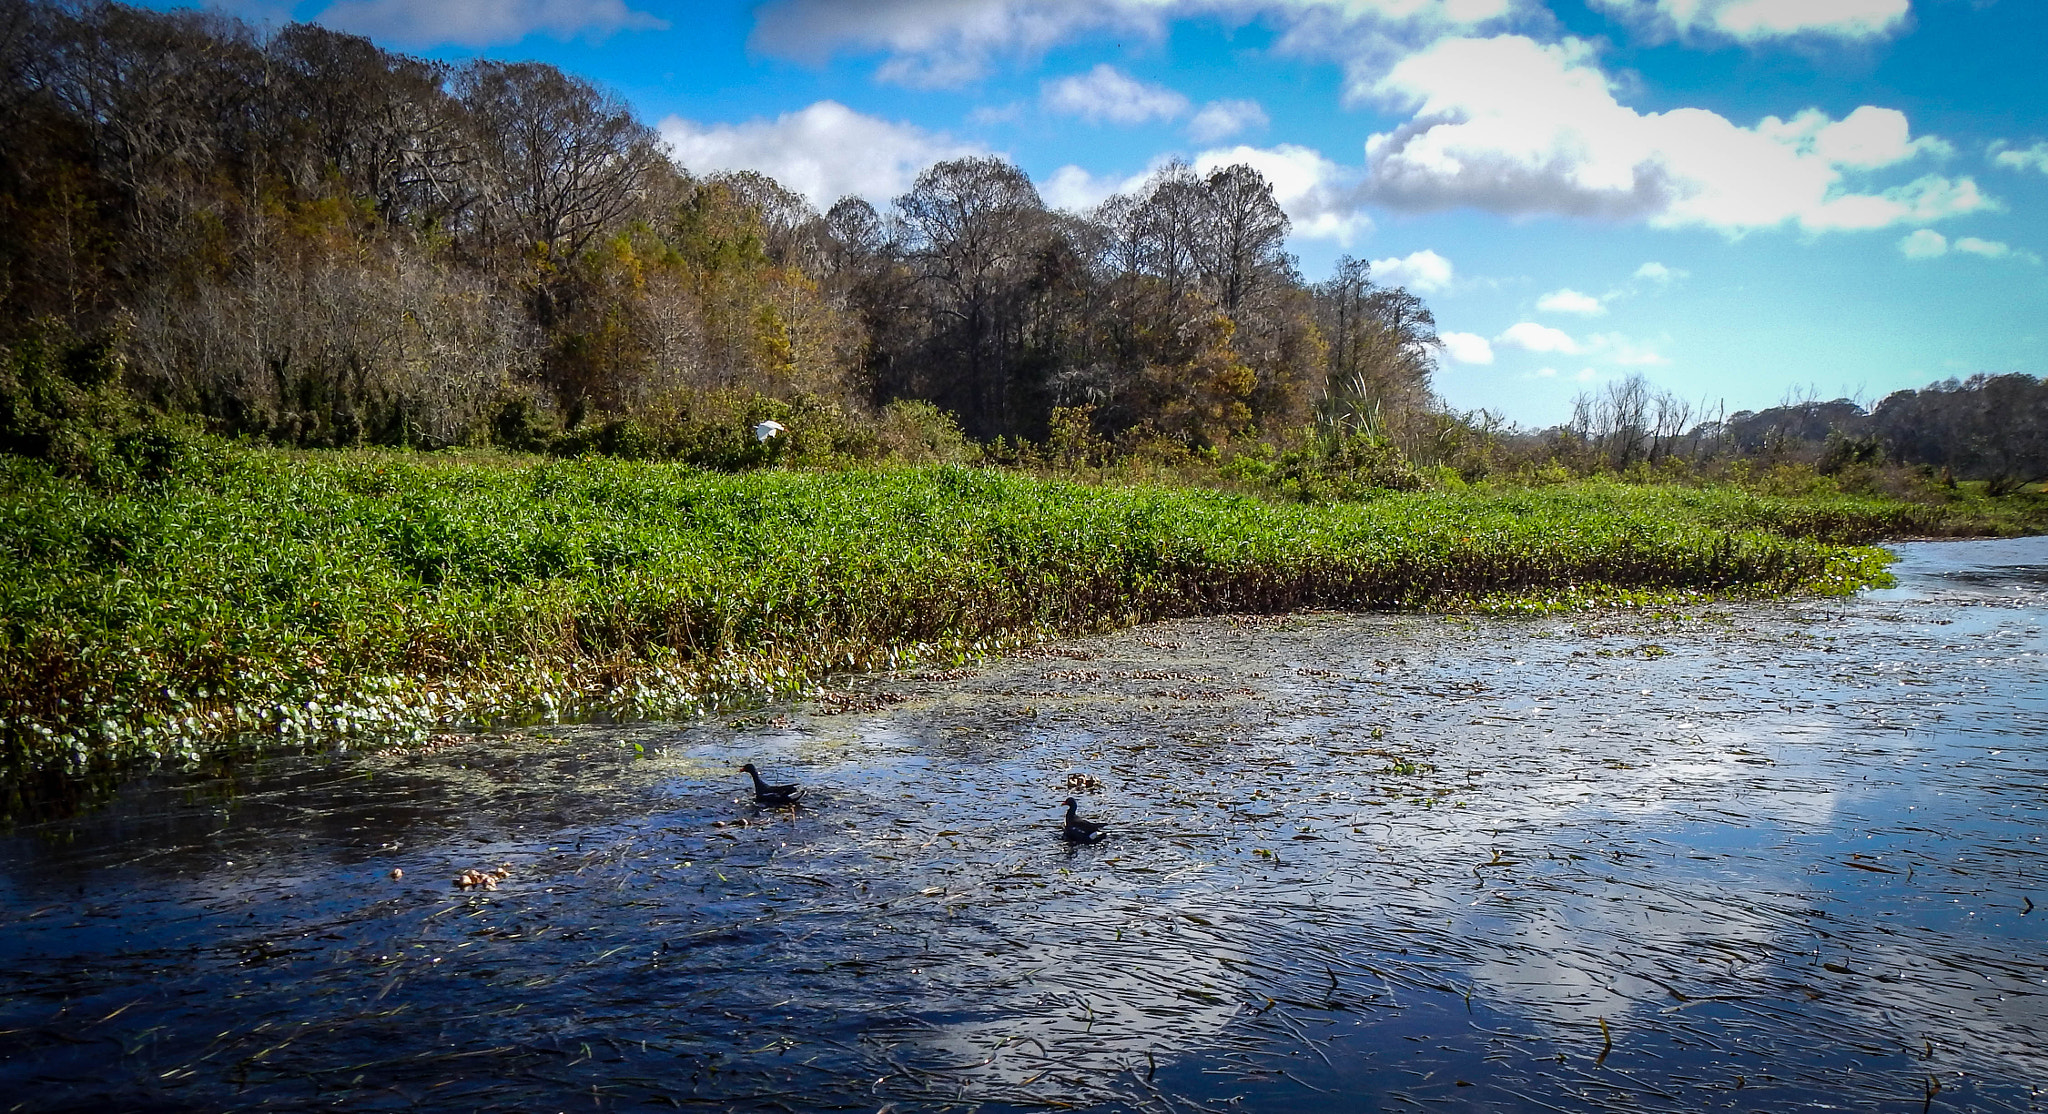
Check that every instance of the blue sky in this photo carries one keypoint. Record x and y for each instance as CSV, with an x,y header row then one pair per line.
x,y
1742,200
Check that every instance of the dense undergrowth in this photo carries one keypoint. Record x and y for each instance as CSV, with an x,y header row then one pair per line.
x,y
213,592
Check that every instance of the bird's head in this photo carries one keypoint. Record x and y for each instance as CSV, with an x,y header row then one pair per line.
x,y
1070,802
749,769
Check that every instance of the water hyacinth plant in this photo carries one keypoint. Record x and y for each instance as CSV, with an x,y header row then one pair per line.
x,y
349,594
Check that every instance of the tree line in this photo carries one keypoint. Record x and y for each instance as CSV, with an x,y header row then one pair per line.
x,y
300,236
1992,428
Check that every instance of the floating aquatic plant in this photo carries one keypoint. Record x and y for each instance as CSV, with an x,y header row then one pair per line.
x,y
300,597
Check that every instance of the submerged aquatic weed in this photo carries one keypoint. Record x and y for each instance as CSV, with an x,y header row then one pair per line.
x,y
317,596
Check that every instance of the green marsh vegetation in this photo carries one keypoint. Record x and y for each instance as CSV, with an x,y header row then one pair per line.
x,y
238,592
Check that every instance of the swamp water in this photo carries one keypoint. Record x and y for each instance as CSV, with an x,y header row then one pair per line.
x,y
1767,857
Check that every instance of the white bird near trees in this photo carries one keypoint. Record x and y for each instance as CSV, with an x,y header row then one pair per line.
x,y
768,429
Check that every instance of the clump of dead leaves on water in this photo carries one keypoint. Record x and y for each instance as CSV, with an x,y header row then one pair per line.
x,y
482,879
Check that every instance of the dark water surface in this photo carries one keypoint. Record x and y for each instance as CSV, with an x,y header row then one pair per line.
x,y
1774,857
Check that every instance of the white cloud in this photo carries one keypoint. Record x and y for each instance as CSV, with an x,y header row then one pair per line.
x,y
1618,349
1993,249
1467,348
991,114
1752,20
1513,126
1865,139
483,22
1929,197
1531,337
1658,273
932,42
1319,196
1570,301
950,42
1106,93
1610,348
2020,158
1424,272
825,152
1222,119
1076,190
1924,243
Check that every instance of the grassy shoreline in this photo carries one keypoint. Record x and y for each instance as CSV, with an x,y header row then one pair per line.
x,y
306,596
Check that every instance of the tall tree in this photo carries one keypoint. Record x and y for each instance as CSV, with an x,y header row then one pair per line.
x,y
1382,347
972,228
562,161
1241,245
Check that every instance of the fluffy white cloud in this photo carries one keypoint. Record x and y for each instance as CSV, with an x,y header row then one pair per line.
x,y
1222,119
1106,93
483,22
1077,190
1865,139
1424,272
949,42
2020,158
932,42
1929,197
1615,348
1570,301
825,152
1319,196
1611,348
1989,249
1993,249
1751,20
1929,244
1514,126
1467,348
1658,273
990,114
1923,243
1531,337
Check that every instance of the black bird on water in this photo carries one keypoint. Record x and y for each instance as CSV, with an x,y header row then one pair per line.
x,y
766,794
1079,830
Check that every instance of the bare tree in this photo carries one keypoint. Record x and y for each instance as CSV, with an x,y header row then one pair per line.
x,y
562,161
1241,245
384,123
971,228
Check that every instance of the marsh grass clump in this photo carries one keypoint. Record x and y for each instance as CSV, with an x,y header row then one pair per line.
x,y
301,596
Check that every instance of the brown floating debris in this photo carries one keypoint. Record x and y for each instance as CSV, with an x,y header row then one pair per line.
x,y
833,702
486,879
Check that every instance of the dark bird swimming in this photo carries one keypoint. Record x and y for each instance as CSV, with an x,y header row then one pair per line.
x,y
766,794
1078,830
